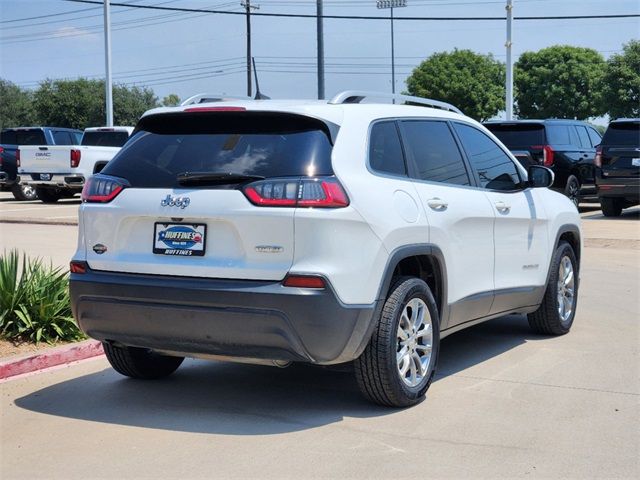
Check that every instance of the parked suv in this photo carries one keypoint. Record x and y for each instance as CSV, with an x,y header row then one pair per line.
x,y
618,166
568,147
304,231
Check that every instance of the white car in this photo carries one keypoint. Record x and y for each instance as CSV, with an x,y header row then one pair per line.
x,y
57,171
325,232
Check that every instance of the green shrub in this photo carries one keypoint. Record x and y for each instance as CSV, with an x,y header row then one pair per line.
x,y
34,300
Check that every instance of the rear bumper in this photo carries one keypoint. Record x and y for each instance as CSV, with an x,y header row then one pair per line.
x,y
240,318
620,187
71,180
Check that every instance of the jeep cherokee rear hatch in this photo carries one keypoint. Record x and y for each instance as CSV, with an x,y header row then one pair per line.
x,y
209,192
619,151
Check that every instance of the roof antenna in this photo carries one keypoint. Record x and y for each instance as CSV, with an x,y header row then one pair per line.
x,y
259,95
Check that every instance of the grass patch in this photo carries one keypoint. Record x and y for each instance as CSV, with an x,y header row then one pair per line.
x,y
34,300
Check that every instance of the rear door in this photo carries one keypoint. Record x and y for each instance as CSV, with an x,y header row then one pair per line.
x,y
228,236
621,150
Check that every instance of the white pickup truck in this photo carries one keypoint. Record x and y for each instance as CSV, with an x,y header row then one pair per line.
x,y
61,171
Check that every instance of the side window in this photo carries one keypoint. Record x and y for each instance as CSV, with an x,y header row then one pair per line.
x,y
584,137
62,137
385,150
435,152
573,136
495,169
595,137
558,135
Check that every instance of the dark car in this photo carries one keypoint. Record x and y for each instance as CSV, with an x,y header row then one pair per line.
x,y
568,147
618,166
12,138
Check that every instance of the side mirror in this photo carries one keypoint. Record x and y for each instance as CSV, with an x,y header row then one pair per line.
x,y
540,177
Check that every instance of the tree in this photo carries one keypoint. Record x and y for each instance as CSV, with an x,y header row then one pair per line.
x,y
171,100
471,81
81,103
621,83
16,109
559,82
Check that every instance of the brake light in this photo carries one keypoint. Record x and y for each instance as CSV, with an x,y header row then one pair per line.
x,y
17,157
101,189
325,192
78,267
598,160
547,154
75,158
303,281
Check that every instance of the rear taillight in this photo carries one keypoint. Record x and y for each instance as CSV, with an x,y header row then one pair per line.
x,y
18,158
75,158
78,267
547,154
101,189
598,160
303,281
323,192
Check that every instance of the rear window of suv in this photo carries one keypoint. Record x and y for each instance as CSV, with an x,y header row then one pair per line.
x,y
23,137
244,143
105,139
518,135
623,134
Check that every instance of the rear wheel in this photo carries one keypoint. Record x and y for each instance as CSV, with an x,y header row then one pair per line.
x,y
140,362
398,365
572,190
611,207
558,309
23,192
48,195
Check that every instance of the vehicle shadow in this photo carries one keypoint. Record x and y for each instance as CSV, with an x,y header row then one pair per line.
x,y
235,399
632,213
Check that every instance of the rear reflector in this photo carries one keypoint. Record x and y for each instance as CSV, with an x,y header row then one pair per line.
x,y
75,158
321,192
215,109
303,281
78,267
101,189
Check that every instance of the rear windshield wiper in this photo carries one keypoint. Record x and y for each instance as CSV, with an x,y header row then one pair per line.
x,y
209,178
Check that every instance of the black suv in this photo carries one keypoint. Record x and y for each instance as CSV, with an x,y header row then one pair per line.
x,y
568,147
618,166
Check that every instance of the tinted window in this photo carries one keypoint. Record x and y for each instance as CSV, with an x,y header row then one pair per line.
x,y
266,145
23,137
385,150
518,135
594,136
495,169
623,134
76,137
435,153
62,138
558,135
105,139
584,137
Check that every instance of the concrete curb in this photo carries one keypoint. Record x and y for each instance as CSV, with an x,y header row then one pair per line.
x,y
49,358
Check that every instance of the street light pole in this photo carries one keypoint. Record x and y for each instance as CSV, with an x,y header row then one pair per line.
x,y
509,99
107,56
247,5
391,4
320,34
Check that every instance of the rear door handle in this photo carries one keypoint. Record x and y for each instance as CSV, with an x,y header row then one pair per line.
x,y
437,204
502,207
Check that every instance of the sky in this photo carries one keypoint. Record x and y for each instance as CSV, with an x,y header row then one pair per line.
x,y
189,53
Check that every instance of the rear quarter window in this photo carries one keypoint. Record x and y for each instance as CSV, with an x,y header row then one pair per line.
x,y
625,134
246,143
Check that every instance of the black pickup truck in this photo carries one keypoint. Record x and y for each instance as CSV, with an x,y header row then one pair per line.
x,y
12,138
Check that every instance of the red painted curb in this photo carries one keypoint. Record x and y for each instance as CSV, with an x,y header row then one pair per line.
x,y
50,358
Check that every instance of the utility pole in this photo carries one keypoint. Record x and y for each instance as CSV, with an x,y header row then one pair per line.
x,y
382,4
319,14
509,44
247,5
107,56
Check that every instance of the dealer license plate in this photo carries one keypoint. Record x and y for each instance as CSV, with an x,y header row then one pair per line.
x,y
181,239
45,176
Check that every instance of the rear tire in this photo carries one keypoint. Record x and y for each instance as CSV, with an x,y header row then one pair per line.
x,y
48,195
611,207
398,365
140,363
572,190
554,318
23,193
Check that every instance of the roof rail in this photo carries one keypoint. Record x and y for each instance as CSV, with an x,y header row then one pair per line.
x,y
356,96
210,97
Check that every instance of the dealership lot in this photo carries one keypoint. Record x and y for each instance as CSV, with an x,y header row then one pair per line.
x,y
505,403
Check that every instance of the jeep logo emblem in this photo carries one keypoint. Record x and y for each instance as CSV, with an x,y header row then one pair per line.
x,y
169,201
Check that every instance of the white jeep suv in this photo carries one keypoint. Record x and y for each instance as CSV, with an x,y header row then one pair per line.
x,y
325,232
